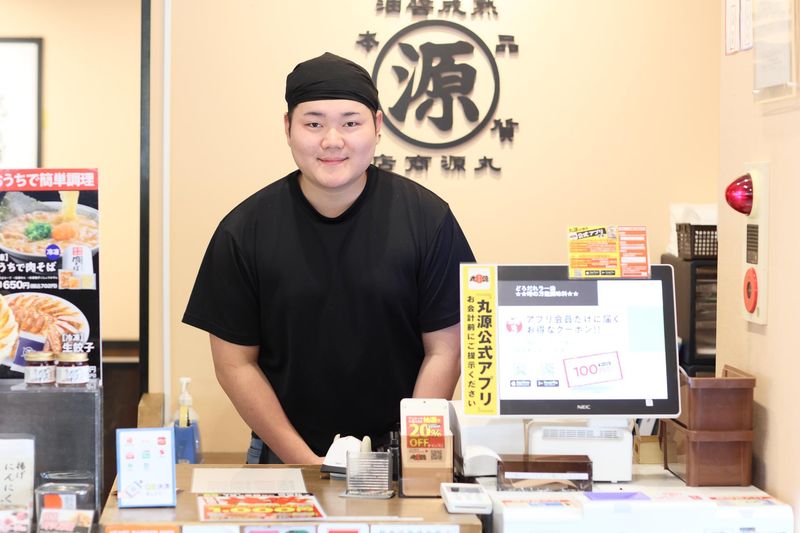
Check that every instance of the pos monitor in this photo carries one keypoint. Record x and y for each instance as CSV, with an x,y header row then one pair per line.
x,y
536,344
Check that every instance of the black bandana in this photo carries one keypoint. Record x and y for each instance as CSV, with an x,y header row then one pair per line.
x,y
330,77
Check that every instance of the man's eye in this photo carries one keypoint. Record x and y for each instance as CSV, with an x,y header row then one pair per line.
x,y
314,125
351,124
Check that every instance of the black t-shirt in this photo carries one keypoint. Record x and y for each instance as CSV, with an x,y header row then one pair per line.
x,y
337,306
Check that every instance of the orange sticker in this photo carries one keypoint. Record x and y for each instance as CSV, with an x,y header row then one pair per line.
x,y
425,431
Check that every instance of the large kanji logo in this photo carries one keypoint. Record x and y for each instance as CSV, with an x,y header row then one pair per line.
x,y
438,83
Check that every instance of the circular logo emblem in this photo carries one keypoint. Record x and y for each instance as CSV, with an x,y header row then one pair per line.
x,y
52,252
438,84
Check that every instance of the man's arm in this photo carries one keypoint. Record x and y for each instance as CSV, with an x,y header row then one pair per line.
x,y
241,378
441,366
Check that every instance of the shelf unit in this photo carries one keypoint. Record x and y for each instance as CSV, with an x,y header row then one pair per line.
x,y
696,307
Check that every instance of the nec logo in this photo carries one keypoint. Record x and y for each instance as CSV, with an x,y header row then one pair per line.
x,y
584,406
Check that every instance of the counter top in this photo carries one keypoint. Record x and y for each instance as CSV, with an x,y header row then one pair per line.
x,y
328,492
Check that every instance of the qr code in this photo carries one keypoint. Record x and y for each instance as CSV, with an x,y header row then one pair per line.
x,y
436,455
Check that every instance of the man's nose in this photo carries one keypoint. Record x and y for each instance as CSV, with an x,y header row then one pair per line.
x,y
332,139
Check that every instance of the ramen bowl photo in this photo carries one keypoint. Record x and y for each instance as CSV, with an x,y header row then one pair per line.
x,y
26,236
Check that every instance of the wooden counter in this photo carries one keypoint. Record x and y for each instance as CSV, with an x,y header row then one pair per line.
x,y
412,511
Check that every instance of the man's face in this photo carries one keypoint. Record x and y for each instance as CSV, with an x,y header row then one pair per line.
x,y
333,142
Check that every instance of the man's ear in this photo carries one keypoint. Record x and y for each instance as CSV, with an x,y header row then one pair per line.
x,y
378,122
287,126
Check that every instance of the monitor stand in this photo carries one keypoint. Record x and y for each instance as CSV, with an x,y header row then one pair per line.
x,y
607,441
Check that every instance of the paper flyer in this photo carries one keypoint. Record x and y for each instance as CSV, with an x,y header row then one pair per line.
x,y
49,264
258,507
597,252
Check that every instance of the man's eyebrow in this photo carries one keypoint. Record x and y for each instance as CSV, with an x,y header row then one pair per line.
x,y
321,114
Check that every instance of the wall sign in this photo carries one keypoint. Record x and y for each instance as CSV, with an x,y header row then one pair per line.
x,y
439,83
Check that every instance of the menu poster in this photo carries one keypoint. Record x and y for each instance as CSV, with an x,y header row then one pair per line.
x,y
49,264
258,507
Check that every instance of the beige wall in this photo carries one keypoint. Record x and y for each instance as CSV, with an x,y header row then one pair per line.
x,y
617,103
769,352
90,109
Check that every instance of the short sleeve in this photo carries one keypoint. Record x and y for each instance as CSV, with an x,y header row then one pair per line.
x,y
224,299
439,276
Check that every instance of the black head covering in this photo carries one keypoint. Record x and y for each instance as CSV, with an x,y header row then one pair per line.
x,y
330,77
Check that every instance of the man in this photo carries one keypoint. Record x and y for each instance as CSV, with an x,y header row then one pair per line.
x,y
332,293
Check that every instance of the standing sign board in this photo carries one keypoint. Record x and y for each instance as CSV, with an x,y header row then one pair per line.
x,y
49,264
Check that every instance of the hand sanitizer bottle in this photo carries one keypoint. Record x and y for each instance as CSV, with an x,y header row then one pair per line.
x,y
187,427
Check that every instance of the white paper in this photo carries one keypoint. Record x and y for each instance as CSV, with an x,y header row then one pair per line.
x,y
17,469
746,25
772,43
732,37
248,480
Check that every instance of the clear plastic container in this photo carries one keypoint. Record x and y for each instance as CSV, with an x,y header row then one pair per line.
x,y
64,496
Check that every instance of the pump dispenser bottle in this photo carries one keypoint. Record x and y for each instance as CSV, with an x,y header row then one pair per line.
x,y
187,427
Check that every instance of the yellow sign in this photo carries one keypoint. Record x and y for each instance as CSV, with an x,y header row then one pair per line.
x,y
608,252
478,339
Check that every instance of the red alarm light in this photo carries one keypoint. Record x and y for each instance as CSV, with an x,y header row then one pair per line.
x,y
739,194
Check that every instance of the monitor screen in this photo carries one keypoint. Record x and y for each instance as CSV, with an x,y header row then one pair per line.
x,y
535,343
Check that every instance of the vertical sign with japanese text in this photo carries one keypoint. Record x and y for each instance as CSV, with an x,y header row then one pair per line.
x,y
16,470
478,339
49,264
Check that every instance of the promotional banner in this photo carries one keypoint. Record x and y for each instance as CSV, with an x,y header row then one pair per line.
x,y
478,339
49,264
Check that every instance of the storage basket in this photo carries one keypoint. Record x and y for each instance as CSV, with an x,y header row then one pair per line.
x,y
717,404
708,458
697,241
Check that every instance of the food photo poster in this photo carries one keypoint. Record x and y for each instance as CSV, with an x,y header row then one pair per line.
x,y
49,265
